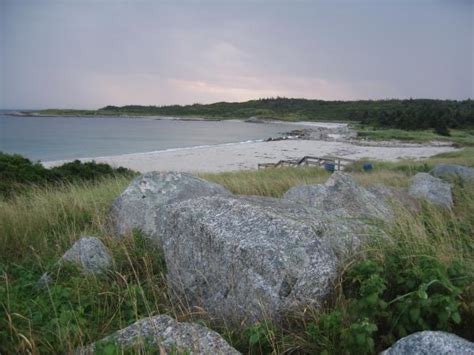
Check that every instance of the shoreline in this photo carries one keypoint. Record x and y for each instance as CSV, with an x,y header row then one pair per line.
x,y
247,155
183,118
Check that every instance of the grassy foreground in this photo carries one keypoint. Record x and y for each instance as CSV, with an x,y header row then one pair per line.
x,y
423,280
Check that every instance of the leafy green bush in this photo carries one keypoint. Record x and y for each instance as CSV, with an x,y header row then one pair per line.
x,y
17,173
388,300
260,337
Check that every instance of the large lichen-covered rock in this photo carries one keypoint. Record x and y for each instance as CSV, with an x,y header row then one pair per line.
x,y
429,343
245,259
432,189
341,192
141,206
87,253
452,172
162,334
337,228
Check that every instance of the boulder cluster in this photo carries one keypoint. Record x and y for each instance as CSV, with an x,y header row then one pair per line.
x,y
248,258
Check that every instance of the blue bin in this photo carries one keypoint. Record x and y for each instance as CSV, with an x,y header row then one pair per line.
x,y
330,167
368,167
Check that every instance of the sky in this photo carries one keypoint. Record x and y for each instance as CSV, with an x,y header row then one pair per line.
x,y
93,53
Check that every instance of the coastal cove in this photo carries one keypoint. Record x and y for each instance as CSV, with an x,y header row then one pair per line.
x,y
66,138
180,144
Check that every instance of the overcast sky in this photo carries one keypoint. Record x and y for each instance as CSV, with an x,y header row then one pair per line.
x,y
88,54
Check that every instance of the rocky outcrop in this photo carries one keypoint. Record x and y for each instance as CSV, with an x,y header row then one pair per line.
x,y
431,189
88,253
142,205
341,192
162,334
429,343
340,132
251,258
452,172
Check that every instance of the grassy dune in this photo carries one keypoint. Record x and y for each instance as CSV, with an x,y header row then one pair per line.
x,y
422,280
464,137
275,182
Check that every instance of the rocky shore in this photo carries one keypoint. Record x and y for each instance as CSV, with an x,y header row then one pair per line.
x,y
245,259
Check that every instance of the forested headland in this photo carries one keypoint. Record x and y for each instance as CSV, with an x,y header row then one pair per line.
x,y
410,114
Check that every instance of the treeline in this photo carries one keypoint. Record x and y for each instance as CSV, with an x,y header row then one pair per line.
x,y
17,173
409,114
403,114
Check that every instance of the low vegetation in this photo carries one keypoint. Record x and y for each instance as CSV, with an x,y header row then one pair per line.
x,y
20,174
421,280
458,137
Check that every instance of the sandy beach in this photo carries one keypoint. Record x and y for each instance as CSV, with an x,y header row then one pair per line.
x,y
238,156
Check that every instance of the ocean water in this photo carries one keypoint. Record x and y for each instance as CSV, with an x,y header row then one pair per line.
x,y
57,138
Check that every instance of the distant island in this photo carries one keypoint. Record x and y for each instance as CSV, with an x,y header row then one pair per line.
x,y
410,114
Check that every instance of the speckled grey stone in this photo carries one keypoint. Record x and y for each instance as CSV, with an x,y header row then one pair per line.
x,y
141,206
394,197
88,253
432,189
341,192
430,343
452,172
337,228
166,334
249,258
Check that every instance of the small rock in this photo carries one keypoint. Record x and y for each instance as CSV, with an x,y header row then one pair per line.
x,y
451,171
141,206
431,189
44,280
341,192
162,333
88,253
429,343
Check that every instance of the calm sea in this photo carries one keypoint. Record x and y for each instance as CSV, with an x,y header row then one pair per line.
x,y
55,138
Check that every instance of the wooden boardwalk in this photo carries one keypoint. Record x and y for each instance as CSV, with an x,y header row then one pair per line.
x,y
309,160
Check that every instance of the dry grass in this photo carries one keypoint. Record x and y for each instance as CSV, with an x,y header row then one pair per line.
x,y
267,182
46,221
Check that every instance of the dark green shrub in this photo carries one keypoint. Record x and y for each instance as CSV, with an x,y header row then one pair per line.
x,y
260,336
17,173
407,294
388,300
